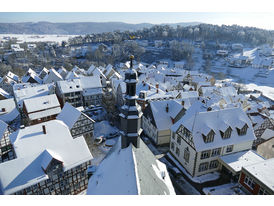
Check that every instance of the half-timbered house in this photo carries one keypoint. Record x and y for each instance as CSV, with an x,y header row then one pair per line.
x,y
200,137
45,164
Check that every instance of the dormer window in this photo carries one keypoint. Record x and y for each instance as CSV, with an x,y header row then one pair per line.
x,y
227,133
242,131
209,137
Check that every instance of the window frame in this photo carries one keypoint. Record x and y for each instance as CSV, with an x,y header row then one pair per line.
x,y
249,182
203,166
229,146
203,154
186,154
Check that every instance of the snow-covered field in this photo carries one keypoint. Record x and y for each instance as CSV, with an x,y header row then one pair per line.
x,y
37,38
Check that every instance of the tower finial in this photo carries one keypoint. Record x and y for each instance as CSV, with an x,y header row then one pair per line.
x,y
131,59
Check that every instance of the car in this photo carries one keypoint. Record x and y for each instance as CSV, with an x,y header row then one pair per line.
x,y
98,140
174,171
113,135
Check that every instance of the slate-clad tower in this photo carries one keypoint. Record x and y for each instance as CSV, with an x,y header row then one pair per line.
x,y
130,116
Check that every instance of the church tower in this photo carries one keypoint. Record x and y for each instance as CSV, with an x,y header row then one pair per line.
x,y
130,116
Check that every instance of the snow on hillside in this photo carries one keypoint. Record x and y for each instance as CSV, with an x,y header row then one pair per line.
x,y
37,38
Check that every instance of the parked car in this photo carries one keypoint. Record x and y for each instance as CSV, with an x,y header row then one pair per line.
x,y
98,140
174,171
112,135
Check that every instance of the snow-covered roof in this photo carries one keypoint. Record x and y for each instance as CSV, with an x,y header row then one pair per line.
x,y
12,76
11,111
268,133
162,118
90,69
48,156
90,82
200,123
44,71
263,171
238,160
130,171
69,115
30,145
91,85
151,91
4,93
63,72
68,86
79,71
41,103
71,75
52,76
31,74
31,91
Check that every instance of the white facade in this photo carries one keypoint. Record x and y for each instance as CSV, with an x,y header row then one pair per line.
x,y
199,153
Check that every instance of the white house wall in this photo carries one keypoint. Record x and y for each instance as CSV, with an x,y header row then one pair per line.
x,y
189,166
192,166
149,129
163,137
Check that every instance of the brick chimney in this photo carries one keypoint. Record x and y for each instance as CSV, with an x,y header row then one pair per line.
x,y
157,87
44,129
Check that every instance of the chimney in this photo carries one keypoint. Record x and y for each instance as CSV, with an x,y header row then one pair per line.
x,y
209,109
183,103
167,108
148,87
157,87
3,109
44,129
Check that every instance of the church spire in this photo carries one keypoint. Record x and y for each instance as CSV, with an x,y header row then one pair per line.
x,y
130,116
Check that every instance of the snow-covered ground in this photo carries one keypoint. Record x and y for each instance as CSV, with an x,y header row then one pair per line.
x,y
226,189
201,179
37,38
100,151
103,128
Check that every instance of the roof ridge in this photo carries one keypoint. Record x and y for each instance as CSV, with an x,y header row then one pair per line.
x,y
136,170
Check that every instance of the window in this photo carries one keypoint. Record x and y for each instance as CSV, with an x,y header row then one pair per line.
x,y
177,151
262,191
172,145
186,132
179,140
205,154
229,148
216,152
242,131
213,164
173,135
249,181
209,137
227,133
203,166
186,154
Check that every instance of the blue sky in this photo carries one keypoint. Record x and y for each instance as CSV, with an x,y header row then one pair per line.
x,y
257,19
